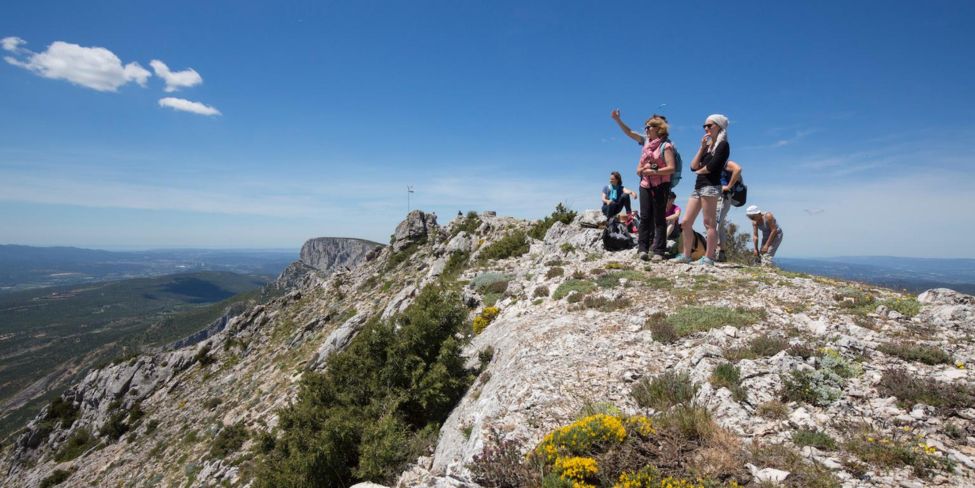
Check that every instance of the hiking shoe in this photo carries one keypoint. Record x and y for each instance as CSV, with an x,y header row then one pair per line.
x,y
657,257
681,259
644,256
704,261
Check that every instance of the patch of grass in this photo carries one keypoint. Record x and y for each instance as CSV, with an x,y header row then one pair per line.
x,y
456,264
773,409
761,346
911,390
814,438
916,352
57,477
689,320
541,291
664,390
689,421
566,248
581,287
560,214
513,244
900,450
554,272
727,375
803,473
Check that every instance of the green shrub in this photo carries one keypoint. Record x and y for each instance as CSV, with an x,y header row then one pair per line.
x,y
378,404
727,375
824,384
115,427
56,478
689,421
901,449
814,438
664,391
554,272
561,214
513,244
230,439
540,292
916,352
605,304
581,287
566,248
397,258
688,320
80,441
907,306
773,409
456,264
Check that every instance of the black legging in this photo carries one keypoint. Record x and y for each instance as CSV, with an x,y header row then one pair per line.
x,y
612,209
653,222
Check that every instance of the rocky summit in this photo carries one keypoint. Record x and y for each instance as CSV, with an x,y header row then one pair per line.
x,y
581,368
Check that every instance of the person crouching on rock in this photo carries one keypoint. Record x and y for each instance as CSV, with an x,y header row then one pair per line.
x,y
710,159
771,234
615,197
673,217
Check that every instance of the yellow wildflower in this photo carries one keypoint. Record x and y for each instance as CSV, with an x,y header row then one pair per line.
x,y
576,468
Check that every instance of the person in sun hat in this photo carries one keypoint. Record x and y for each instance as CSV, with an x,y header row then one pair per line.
x,y
708,163
771,234
657,162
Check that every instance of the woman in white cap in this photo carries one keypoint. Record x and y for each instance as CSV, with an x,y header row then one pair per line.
x,y
771,233
708,163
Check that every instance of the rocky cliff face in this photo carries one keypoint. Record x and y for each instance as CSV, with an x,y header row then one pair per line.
x,y
323,256
576,326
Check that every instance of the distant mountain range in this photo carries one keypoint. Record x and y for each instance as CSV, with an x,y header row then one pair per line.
x,y
28,267
909,274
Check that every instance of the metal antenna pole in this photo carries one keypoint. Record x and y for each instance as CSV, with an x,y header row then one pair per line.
x,y
409,190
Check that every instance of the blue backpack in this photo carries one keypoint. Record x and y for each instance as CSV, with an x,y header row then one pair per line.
x,y
678,164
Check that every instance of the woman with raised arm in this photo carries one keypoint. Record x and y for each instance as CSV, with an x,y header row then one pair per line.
x,y
708,163
657,163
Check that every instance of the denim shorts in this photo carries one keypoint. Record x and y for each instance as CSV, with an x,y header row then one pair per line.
x,y
707,191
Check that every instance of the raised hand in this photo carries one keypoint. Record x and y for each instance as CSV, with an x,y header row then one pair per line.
x,y
616,114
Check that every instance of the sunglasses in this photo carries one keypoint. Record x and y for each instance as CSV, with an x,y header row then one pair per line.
x,y
647,127
708,126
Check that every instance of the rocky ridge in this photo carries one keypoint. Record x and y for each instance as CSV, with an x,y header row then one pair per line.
x,y
558,346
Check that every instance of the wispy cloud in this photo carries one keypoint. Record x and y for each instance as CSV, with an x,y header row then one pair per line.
x,y
175,80
184,105
91,67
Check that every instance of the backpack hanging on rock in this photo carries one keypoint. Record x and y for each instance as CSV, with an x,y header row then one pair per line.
x,y
616,237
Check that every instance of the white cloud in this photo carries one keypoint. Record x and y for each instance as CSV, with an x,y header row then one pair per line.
x,y
175,80
188,106
91,67
12,44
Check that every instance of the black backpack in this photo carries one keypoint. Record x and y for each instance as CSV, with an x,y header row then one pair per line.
x,y
616,237
738,194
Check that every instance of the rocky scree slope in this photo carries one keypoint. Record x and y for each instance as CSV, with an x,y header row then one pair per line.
x,y
859,386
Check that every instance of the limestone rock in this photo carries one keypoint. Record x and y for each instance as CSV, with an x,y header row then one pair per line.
x,y
417,226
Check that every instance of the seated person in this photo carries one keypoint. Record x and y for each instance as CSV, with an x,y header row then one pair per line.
x,y
615,197
672,215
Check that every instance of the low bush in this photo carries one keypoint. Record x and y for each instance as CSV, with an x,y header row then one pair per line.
x,y
605,304
115,427
560,214
229,440
378,404
77,444
57,477
203,356
540,292
814,438
664,391
803,473
581,287
660,329
484,319
899,450
911,390
727,375
554,272
916,352
907,306
469,225
773,409
60,412
513,244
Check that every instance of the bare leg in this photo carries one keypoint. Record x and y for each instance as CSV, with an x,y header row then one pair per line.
x,y
710,205
687,226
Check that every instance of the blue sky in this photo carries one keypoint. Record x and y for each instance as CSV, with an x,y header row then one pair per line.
x,y
852,120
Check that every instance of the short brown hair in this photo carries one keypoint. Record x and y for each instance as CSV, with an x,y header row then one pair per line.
x,y
661,125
